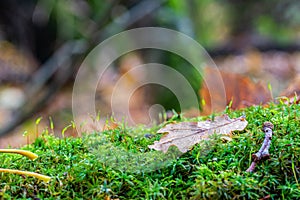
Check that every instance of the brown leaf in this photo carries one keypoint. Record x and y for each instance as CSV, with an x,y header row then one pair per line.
x,y
184,135
110,125
292,90
239,89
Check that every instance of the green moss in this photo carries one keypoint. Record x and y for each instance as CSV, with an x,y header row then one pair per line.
x,y
212,169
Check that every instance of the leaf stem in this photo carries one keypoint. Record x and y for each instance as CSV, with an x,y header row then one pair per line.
x,y
33,174
31,156
28,154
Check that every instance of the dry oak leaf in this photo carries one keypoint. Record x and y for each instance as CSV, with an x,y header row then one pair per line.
x,y
184,135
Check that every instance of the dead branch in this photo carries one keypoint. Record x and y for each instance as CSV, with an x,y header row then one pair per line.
x,y
263,152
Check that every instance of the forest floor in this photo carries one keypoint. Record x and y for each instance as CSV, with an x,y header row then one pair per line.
x,y
212,169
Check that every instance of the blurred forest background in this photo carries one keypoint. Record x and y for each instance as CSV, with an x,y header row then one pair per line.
x,y
41,50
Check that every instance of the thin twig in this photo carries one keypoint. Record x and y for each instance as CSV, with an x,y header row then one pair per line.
x,y
263,152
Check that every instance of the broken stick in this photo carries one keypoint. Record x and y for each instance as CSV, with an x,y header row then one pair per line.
x,y
263,152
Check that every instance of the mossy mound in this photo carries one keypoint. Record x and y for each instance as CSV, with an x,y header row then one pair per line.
x,y
212,169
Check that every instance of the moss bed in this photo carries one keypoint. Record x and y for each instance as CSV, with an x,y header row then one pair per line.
x,y
210,170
